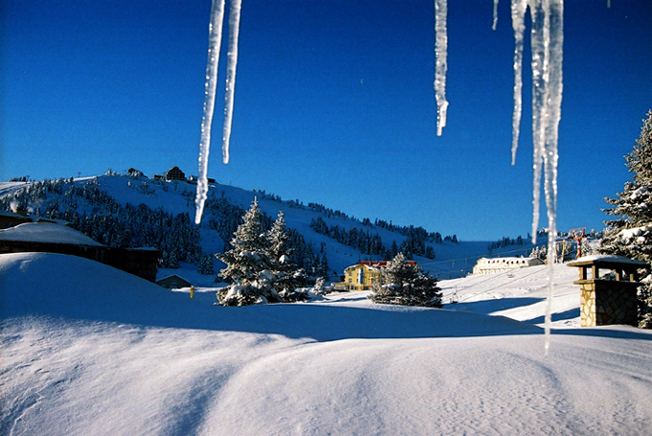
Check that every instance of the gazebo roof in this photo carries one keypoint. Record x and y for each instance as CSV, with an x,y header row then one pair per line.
x,y
608,261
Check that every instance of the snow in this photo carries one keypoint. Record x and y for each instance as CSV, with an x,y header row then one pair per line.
x,y
606,258
637,193
46,233
640,233
88,349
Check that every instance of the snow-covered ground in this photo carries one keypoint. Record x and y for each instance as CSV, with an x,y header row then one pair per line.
x,y
91,350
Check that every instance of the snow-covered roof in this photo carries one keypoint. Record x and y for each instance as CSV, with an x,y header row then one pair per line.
x,y
46,233
605,258
362,265
171,276
507,259
30,218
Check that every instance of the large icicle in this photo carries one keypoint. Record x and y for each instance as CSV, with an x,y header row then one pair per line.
x,y
554,87
494,24
441,65
231,63
214,44
547,84
518,24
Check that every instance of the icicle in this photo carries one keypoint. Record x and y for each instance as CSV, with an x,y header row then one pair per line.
x,y
518,24
494,24
554,44
547,84
441,65
214,44
231,63
540,72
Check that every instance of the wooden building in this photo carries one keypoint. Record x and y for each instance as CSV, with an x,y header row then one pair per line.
x,y
175,173
57,238
173,282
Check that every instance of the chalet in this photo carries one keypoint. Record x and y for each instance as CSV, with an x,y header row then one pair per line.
x,y
175,173
173,282
361,276
57,238
503,264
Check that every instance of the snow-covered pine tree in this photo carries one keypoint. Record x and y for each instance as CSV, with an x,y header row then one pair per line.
x,y
630,234
286,277
405,283
247,264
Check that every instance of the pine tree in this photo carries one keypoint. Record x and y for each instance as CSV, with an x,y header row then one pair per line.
x,y
406,284
248,264
286,277
324,268
630,234
206,265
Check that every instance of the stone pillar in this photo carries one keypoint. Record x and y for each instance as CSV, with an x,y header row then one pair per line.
x,y
612,300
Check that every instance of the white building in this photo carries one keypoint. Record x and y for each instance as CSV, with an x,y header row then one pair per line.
x,y
503,264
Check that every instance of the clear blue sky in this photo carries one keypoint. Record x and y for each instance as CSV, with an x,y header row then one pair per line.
x,y
334,103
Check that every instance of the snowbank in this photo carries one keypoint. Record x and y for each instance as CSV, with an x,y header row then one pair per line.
x,y
88,349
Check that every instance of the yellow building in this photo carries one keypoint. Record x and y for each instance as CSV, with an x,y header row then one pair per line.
x,y
359,277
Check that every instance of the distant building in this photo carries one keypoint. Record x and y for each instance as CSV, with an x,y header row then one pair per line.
x,y
361,276
503,264
173,282
193,179
175,173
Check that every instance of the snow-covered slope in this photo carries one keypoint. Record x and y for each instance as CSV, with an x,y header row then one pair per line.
x,y
452,259
520,294
90,350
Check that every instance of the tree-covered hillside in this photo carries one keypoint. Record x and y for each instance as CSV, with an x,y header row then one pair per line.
x,y
132,210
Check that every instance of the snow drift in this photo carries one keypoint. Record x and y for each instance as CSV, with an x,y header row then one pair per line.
x,y
88,349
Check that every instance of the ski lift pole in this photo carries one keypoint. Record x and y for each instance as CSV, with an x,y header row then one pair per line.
x,y
579,234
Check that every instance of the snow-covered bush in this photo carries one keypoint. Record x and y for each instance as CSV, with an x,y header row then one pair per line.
x,y
406,284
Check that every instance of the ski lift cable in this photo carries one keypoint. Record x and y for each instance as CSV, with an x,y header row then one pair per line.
x,y
495,287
